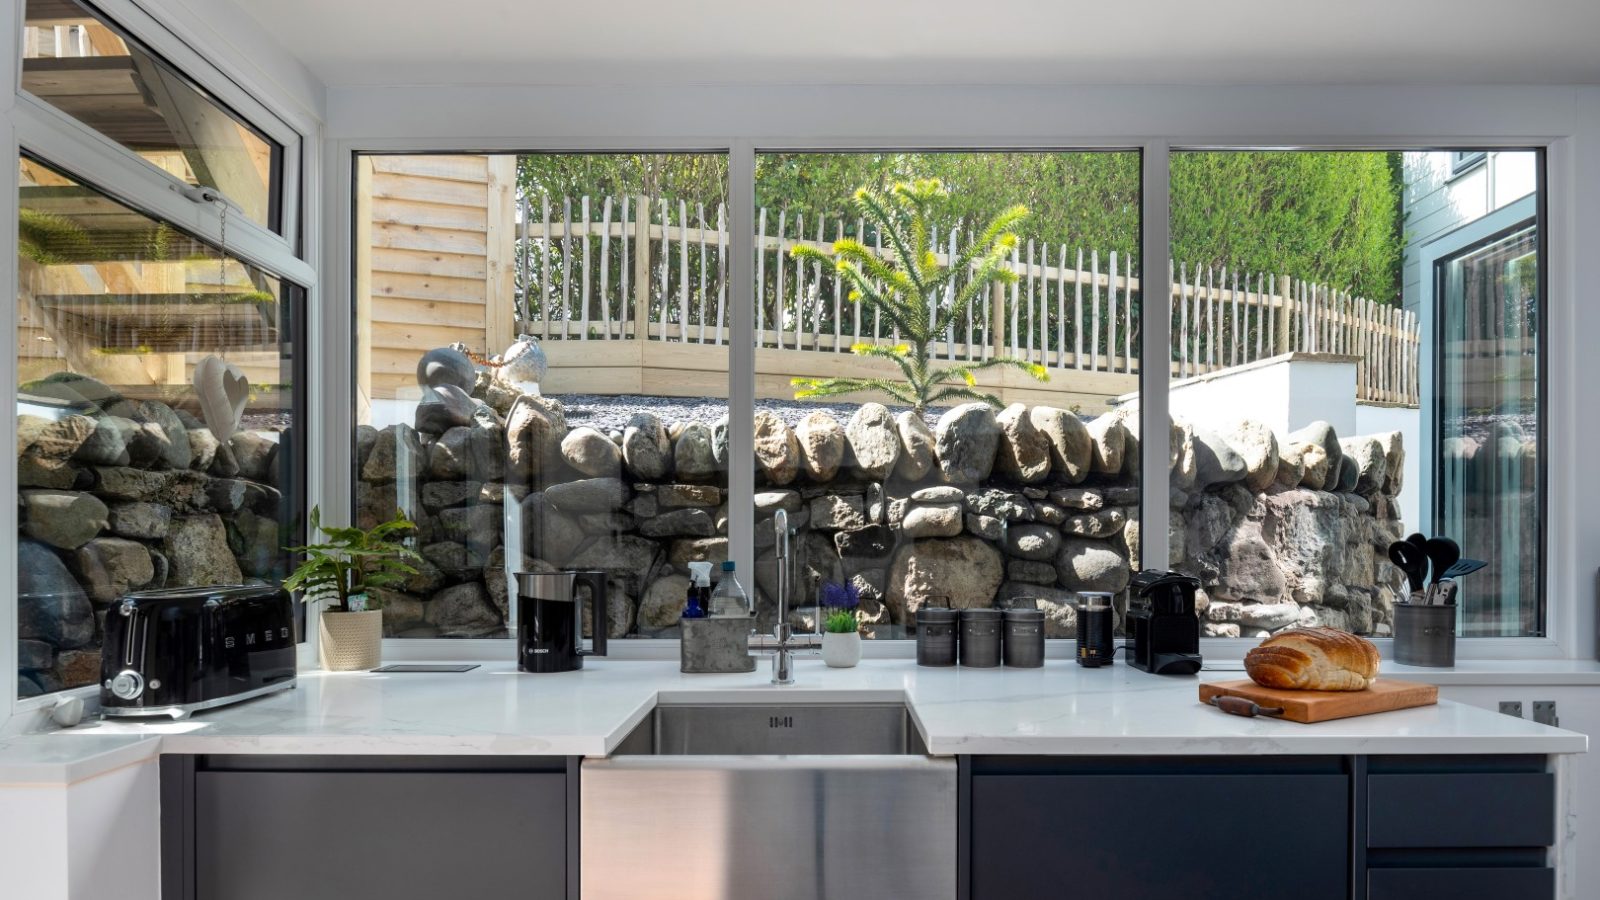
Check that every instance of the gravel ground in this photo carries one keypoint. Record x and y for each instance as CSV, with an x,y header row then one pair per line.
x,y
611,412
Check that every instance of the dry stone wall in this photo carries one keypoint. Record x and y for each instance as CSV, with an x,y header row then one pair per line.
x,y
1023,505
121,495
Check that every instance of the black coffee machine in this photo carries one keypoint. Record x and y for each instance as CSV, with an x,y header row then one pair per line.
x,y
550,620
1161,618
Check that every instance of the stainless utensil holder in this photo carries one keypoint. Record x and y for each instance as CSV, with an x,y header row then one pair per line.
x,y
1424,635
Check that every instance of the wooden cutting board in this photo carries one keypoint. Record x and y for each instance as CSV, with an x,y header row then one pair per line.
x,y
1320,706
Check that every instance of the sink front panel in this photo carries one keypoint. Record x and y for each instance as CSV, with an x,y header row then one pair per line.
x,y
784,729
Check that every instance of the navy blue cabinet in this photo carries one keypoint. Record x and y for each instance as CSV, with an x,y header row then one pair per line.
x,y
1159,828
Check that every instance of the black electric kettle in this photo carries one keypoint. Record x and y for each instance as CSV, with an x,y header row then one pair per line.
x,y
550,620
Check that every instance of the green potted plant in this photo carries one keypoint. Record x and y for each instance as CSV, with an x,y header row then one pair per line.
x,y
841,631
340,572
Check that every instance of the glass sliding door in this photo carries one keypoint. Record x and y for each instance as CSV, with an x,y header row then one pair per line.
x,y
1488,381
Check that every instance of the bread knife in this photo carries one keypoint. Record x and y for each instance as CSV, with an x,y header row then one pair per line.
x,y
1240,706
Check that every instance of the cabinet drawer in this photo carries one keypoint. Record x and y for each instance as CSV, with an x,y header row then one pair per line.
x,y
1461,809
394,835
1461,884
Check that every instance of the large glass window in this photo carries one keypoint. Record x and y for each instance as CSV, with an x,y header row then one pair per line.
x,y
156,412
1302,326
80,63
542,377
942,340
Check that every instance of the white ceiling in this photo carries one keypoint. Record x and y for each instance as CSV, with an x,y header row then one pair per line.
x,y
347,42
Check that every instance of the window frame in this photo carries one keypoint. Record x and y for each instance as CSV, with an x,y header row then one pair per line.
x,y
32,126
1463,162
1561,640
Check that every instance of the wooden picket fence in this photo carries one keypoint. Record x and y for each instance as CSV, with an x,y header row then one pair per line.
x,y
626,268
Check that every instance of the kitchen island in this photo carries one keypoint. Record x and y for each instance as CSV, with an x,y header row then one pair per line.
x,y
1043,761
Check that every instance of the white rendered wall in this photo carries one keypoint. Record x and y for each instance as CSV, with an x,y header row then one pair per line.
x,y
1372,419
98,838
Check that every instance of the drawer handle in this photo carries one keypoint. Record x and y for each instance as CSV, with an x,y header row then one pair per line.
x,y
1239,706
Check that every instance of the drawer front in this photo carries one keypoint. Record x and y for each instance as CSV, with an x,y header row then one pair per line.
x,y
1132,837
394,835
1461,884
1465,809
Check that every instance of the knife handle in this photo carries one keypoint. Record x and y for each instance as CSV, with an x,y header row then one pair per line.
x,y
1239,706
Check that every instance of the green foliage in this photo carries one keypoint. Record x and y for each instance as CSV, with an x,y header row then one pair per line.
x,y
352,561
49,239
841,621
907,289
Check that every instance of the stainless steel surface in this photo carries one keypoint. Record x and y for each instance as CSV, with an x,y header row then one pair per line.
x,y
882,729
547,585
183,710
784,643
715,813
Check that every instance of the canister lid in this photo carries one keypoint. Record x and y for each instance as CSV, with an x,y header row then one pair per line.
x,y
936,615
981,614
1024,615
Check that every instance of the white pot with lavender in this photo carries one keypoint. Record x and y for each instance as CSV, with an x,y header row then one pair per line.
x,y
841,631
339,571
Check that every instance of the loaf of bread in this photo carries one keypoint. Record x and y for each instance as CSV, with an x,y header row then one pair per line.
x,y
1313,659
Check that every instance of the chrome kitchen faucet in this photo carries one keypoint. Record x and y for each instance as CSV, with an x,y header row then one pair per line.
x,y
783,643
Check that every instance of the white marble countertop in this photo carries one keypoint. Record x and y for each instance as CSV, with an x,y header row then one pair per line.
x,y
1060,709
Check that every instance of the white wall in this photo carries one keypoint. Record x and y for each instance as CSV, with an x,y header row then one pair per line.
x,y
99,837
1373,419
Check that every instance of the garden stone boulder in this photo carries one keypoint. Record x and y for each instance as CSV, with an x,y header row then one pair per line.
x,y
1291,464
1216,462
679,523
1108,438
140,520
51,607
874,440
588,495
1320,469
777,449
916,446
663,602
1322,435
174,439
1394,453
443,407
256,454
645,447
1078,498
1091,565
1000,504
965,441
769,502
1071,448
1371,461
52,438
867,547
197,549
692,455
833,512
55,474
65,519
463,610
107,445
822,443
965,569
1102,523
1060,607
1035,542
1247,566
1023,454
1257,447
591,452
109,567
936,520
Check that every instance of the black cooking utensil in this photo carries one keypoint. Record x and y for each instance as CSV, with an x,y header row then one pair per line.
x,y
1464,567
1411,561
1419,541
1443,553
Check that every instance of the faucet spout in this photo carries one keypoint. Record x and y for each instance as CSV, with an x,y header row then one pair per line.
x,y
783,642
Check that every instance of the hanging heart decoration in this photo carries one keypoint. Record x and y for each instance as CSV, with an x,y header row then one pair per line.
x,y
223,391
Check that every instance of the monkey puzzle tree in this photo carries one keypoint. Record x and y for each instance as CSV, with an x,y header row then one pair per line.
x,y
918,294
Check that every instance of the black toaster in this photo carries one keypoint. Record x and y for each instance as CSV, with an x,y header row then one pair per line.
x,y
177,651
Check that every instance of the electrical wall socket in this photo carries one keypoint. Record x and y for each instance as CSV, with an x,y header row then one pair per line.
x,y
1511,708
1544,712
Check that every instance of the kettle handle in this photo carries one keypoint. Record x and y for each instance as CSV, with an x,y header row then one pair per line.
x,y
597,595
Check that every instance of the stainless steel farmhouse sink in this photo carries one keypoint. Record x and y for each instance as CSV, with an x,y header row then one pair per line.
x,y
780,801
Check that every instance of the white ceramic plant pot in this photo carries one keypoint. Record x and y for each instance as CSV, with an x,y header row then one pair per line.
x,y
840,650
350,640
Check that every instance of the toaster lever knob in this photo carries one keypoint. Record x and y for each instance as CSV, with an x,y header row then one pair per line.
x,y
127,685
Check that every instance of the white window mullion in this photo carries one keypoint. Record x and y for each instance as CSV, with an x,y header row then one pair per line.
x,y
1155,322
741,360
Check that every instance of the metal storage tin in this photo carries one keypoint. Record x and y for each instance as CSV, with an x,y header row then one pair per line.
x,y
936,636
980,638
1424,635
1023,647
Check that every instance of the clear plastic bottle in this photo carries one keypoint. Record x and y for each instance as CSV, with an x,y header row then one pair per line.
x,y
728,599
